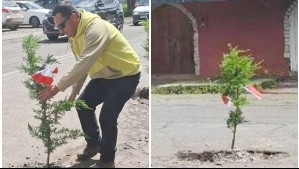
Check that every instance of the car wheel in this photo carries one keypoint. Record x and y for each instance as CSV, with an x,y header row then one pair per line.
x,y
34,21
135,23
14,27
52,37
120,23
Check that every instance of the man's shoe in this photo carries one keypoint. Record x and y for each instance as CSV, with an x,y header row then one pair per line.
x,y
102,164
88,153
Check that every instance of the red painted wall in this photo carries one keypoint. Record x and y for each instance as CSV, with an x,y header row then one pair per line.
x,y
250,24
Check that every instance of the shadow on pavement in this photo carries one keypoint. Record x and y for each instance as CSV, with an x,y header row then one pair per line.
x,y
30,27
63,39
83,164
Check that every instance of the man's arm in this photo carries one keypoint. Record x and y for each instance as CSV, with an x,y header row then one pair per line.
x,y
76,88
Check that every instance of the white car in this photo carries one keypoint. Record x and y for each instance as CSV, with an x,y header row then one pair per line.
x,y
12,15
141,12
33,13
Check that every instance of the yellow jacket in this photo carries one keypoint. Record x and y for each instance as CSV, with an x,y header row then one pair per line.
x,y
101,51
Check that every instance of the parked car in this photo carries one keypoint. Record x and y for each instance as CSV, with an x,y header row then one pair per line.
x,y
48,4
109,10
33,13
141,12
12,15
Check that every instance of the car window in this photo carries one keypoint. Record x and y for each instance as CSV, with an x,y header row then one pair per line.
x,y
48,3
108,2
39,2
9,4
83,3
33,6
21,5
144,3
91,3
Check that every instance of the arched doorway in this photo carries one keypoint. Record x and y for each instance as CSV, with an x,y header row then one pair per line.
x,y
172,37
291,36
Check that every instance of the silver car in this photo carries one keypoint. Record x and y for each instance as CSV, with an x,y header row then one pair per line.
x,y
12,15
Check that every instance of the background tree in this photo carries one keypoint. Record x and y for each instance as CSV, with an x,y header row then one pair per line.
x,y
50,112
131,5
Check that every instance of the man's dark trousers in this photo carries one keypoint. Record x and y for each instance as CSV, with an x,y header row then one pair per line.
x,y
113,93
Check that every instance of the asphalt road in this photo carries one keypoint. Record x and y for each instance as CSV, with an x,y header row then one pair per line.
x,y
197,123
18,147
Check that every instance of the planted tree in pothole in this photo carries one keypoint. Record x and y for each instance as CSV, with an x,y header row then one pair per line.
x,y
236,70
50,112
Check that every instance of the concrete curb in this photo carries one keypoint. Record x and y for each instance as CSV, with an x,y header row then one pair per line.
x,y
279,90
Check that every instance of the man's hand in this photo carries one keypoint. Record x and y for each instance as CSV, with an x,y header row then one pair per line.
x,y
47,93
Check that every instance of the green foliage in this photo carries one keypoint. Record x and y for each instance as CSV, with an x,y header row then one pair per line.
x,y
235,117
32,62
237,68
145,24
209,88
268,84
127,12
190,89
48,113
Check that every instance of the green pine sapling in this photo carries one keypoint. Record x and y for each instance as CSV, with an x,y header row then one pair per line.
x,y
236,69
50,112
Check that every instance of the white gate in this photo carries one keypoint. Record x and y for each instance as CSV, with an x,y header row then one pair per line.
x,y
291,36
294,39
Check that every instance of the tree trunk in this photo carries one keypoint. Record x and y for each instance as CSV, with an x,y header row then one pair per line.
x,y
236,117
48,137
49,143
48,160
234,137
131,4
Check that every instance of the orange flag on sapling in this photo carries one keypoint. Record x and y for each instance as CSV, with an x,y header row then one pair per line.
x,y
253,91
45,76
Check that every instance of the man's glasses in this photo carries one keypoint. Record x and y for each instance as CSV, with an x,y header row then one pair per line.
x,y
61,26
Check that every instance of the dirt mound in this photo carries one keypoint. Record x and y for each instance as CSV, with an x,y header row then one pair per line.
x,y
37,164
230,156
142,93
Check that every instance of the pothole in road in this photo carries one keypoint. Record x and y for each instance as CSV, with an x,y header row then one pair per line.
x,y
220,157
